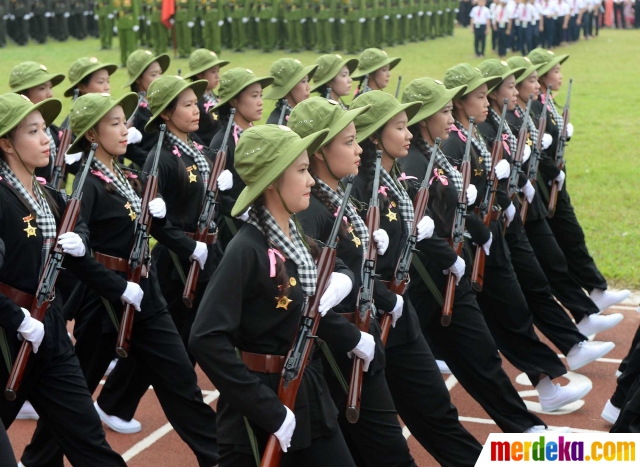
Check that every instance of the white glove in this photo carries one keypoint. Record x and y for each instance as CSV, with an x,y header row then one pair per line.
x,y
569,130
26,17
457,269
148,22
315,20
502,169
244,217
398,16
285,432
472,193
132,295
409,16
421,13
385,17
338,288
220,23
381,238
134,136
136,28
200,254
439,12
396,313
487,246
456,10
365,349
529,191
115,29
225,180
429,13
158,208
510,213
202,23
229,20
342,21
257,21
362,20
331,20
526,154
72,158
190,24
303,20
95,17
110,16
560,179
245,20
274,20
547,139
31,330
172,21
72,244
425,228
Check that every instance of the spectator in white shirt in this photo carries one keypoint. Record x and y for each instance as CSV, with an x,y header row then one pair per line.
x,y
480,21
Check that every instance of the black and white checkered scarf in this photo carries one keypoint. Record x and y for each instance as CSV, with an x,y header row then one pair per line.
x,y
479,144
53,150
191,150
44,217
441,160
119,181
533,129
352,214
405,206
513,142
293,249
554,111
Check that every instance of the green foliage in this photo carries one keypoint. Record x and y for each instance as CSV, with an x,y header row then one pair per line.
x,y
603,176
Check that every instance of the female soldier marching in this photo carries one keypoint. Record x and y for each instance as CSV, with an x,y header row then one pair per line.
x,y
333,77
289,88
374,70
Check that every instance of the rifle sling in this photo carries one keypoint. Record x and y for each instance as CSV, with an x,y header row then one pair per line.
x,y
426,278
232,225
178,265
334,365
4,346
110,311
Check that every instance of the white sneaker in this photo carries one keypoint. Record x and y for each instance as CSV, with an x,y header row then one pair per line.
x,y
594,324
610,412
586,352
112,365
618,374
443,367
117,424
543,429
565,395
27,412
605,298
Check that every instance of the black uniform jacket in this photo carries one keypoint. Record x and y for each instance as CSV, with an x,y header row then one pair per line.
x,y
23,262
208,127
111,230
182,215
274,117
228,198
548,169
239,310
138,152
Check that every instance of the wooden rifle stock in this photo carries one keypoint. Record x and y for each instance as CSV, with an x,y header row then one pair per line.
x,y
65,141
206,215
477,273
300,350
536,154
365,296
140,250
47,286
562,141
401,277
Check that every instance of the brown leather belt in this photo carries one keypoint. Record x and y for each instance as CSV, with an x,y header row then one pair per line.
x,y
116,264
18,297
263,363
210,239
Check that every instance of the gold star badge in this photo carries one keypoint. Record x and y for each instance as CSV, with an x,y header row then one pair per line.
x,y
192,177
30,229
292,281
283,302
132,213
477,172
392,216
480,159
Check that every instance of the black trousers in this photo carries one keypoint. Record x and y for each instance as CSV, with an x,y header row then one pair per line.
x,y
471,354
548,315
376,439
503,41
424,404
549,34
554,264
479,38
570,236
7,459
164,363
125,386
331,451
58,391
634,343
630,373
618,12
508,317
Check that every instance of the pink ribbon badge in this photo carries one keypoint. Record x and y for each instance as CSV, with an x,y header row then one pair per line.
x,y
208,105
198,146
59,134
176,151
344,218
505,139
101,176
516,113
41,180
404,176
438,176
236,128
131,175
461,135
383,190
143,104
272,252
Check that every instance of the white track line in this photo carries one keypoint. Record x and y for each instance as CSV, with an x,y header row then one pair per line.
x,y
617,361
450,382
210,396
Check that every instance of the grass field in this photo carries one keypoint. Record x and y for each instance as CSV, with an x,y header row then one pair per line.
x,y
602,159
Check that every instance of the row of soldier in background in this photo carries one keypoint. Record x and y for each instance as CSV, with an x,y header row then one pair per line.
x,y
292,25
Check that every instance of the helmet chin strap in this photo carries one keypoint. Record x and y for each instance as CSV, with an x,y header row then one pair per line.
x,y
326,163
